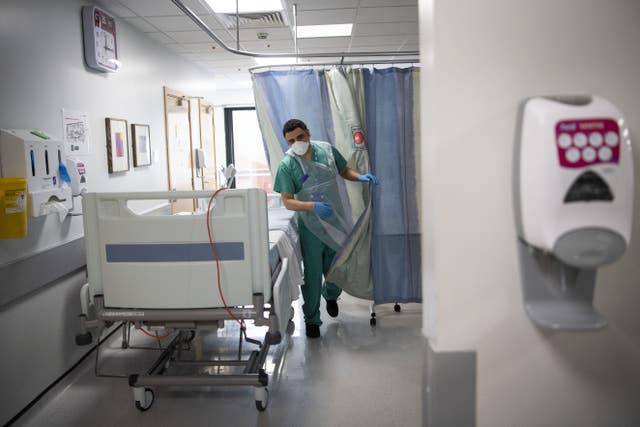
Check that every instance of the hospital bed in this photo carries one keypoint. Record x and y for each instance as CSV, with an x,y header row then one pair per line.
x,y
159,272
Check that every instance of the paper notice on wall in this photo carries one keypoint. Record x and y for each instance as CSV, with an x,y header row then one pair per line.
x,y
75,128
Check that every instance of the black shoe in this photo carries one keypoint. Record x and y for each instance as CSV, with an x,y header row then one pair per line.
x,y
313,331
332,307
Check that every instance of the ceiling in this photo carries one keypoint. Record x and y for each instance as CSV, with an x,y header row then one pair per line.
x,y
378,25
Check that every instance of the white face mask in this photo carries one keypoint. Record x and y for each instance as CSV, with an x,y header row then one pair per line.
x,y
300,147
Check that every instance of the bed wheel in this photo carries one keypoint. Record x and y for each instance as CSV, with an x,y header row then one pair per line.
x,y
291,327
292,312
372,322
262,398
396,308
143,398
84,339
273,338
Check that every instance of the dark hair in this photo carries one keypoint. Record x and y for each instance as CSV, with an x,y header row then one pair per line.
x,y
292,125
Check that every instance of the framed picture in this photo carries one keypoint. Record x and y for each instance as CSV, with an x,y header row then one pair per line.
x,y
141,145
117,145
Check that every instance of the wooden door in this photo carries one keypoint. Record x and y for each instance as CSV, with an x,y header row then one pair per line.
x,y
208,141
194,121
179,148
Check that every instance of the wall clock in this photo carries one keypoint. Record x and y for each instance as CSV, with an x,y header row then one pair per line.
x,y
100,42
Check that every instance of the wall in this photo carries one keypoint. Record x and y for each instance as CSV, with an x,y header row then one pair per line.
x,y
42,70
480,60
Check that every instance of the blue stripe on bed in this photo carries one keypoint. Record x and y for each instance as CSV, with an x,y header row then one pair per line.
x,y
174,252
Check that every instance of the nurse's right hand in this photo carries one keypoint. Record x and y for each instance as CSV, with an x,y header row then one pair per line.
x,y
322,209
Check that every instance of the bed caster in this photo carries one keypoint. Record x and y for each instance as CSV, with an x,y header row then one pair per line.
x,y
84,339
143,398
372,322
396,308
273,338
262,398
291,327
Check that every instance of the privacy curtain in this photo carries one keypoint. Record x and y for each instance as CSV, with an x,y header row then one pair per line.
x,y
336,103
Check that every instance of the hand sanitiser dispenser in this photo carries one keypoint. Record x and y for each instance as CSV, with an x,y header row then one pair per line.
x,y
573,196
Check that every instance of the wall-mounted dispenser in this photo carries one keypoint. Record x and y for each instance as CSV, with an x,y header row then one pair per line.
x,y
573,197
38,158
78,174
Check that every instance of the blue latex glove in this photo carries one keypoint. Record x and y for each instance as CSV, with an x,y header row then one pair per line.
x,y
322,209
64,173
368,177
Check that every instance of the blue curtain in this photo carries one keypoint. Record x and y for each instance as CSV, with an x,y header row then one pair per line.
x,y
395,246
389,98
298,94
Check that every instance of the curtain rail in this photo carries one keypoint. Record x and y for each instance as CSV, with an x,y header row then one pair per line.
x,y
215,38
260,68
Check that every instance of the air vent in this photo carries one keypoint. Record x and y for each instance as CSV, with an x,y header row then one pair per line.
x,y
253,20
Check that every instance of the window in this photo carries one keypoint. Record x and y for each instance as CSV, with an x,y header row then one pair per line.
x,y
246,150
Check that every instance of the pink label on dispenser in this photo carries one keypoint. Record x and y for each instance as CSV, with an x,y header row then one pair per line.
x,y
587,142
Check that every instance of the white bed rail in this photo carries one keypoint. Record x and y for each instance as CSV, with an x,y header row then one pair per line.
x,y
166,262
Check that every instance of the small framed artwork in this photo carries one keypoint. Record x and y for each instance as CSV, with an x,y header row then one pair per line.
x,y
117,145
141,145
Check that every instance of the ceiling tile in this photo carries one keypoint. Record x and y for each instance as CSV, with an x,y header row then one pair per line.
x,y
385,28
326,4
378,40
281,33
268,45
161,7
200,47
117,9
142,25
383,3
387,14
241,62
326,42
221,56
320,17
173,23
189,36
177,47
161,37
212,22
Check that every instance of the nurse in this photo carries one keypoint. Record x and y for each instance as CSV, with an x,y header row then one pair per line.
x,y
307,182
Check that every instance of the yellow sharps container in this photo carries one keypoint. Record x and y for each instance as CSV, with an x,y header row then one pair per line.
x,y
13,208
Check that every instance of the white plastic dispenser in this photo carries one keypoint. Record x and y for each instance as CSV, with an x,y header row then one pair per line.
x,y
573,195
37,157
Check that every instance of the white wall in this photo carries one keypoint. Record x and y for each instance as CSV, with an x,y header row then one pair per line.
x,y
480,60
42,70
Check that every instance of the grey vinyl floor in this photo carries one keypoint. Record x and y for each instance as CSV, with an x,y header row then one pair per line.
x,y
354,375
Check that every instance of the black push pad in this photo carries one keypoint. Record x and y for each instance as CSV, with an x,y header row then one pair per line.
x,y
588,187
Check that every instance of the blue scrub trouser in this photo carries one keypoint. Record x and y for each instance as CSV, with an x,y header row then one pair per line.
x,y
317,259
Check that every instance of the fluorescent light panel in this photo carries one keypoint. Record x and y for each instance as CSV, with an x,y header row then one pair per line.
x,y
332,30
245,6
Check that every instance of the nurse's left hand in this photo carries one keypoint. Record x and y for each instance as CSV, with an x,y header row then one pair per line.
x,y
368,177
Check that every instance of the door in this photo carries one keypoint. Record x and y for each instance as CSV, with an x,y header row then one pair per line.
x,y
179,148
208,141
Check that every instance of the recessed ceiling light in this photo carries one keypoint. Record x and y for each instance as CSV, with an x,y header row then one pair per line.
x,y
332,30
245,6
